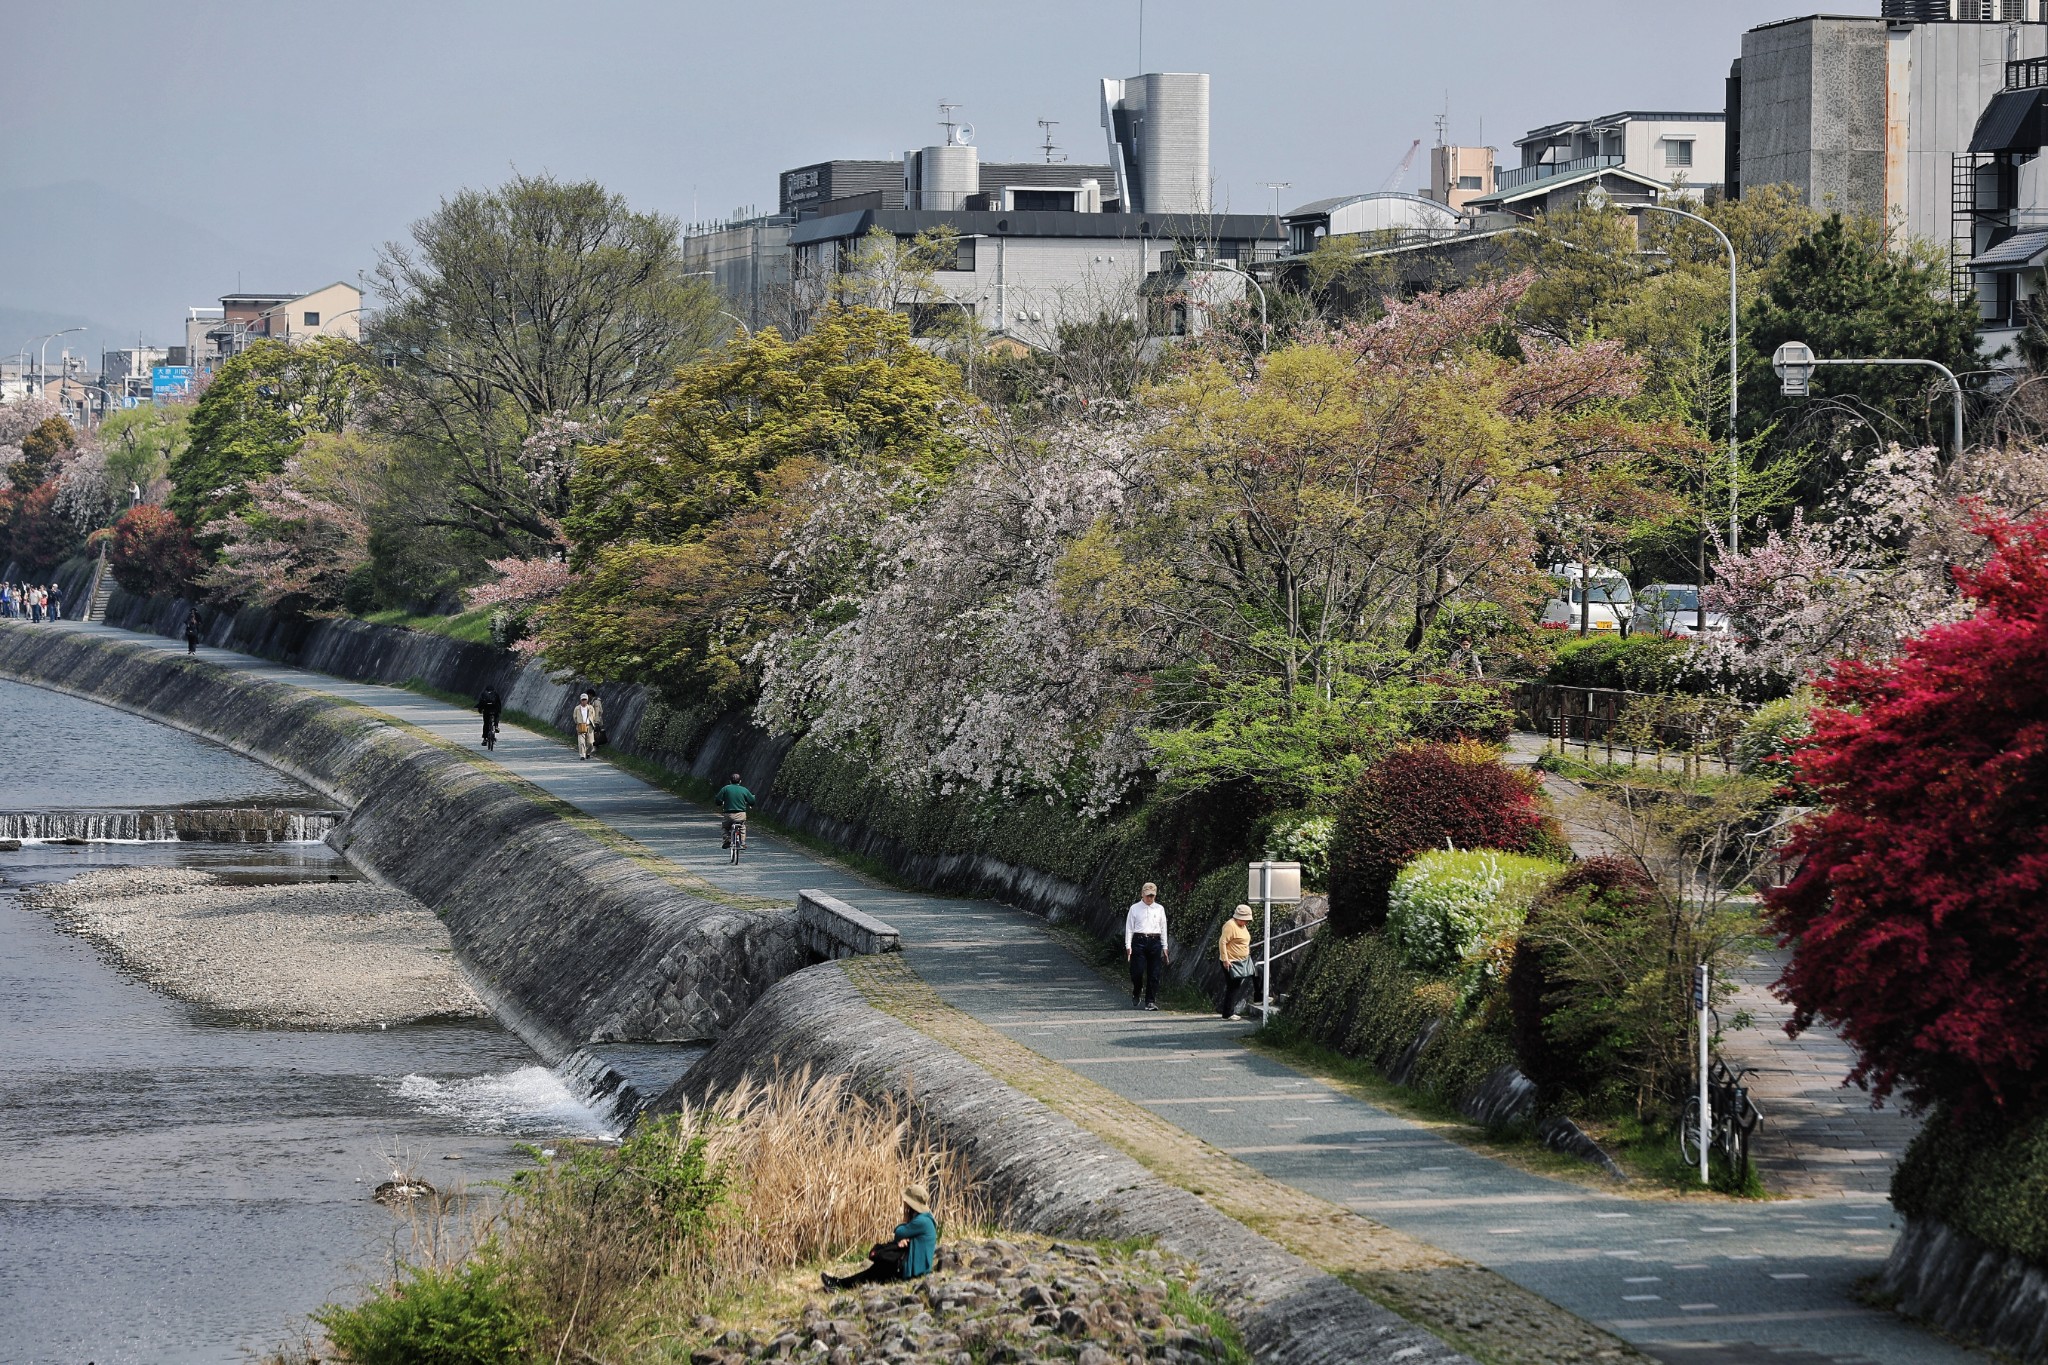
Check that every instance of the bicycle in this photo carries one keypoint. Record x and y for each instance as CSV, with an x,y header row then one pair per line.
x,y
490,732
1731,1117
739,834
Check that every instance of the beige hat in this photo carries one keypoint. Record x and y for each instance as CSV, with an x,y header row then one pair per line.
x,y
1149,889
1242,912
917,1199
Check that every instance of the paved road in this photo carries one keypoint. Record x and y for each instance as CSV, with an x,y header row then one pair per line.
x,y
1674,1276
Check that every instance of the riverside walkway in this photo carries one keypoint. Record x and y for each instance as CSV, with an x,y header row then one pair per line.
x,y
1710,1282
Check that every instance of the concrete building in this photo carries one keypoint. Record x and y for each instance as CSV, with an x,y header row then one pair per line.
x,y
1458,175
213,335
125,373
1868,115
1158,128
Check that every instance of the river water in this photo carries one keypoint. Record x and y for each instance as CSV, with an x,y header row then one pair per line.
x,y
175,1187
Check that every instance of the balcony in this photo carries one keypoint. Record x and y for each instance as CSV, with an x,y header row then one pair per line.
x,y
1528,175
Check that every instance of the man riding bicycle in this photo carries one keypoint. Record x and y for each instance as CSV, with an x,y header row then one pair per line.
x,y
733,801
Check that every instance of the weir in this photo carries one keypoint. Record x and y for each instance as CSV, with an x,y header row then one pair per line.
x,y
218,825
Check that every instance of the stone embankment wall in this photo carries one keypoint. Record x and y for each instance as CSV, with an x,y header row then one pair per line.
x,y
565,938
1979,1292
1043,1174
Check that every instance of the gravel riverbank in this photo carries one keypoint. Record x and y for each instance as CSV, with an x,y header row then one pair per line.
x,y
312,955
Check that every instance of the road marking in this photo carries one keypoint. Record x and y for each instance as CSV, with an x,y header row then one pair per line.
x,y
1791,1276
1642,1279
1697,1307
1700,1266
1491,1232
1642,1298
1717,1229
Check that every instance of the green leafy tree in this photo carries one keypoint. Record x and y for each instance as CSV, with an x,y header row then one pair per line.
x,y
140,443
253,417
1847,293
523,322
41,450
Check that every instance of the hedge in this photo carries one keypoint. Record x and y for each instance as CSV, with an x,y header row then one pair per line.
x,y
1355,997
1986,1179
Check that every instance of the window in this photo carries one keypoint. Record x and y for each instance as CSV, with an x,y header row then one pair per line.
x,y
1469,182
963,255
1678,151
312,319
1042,201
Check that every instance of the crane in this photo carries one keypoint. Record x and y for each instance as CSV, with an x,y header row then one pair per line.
x,y
1394,182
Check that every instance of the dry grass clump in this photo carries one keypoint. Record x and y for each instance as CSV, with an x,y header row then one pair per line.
x,y
611,1253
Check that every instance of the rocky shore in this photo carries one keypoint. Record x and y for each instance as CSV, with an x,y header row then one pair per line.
x,y
312,955
997,1300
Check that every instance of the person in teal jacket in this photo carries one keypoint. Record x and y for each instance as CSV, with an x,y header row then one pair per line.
x,y
909,1255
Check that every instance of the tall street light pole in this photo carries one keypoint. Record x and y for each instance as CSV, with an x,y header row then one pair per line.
x,y
1734,376
43,357
1795,363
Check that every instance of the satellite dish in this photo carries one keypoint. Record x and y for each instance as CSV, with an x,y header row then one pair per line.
x,y
963,135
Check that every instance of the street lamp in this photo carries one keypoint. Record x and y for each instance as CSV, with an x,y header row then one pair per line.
x,y
1795,363
43,356
1232,268
1734,441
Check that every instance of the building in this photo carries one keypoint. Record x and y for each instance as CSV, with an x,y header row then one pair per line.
x,y
1382,216
1869,115
1682,152
212,335
1158,127
2002,198
126,373
1458,175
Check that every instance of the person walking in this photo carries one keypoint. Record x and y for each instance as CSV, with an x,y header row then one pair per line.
x,y
1234,951
192,631
490,704
910,1252
1145,947
597,719
35,604
733,801
56,601
585,716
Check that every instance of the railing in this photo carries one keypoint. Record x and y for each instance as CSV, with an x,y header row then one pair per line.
x,y
1617,726
2029,73
1528,175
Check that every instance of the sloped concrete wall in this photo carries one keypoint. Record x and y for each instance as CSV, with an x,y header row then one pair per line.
x,y
1977,1291
1046,1175
568,940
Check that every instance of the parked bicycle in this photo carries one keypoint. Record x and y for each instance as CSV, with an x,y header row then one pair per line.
x,y
1732,1115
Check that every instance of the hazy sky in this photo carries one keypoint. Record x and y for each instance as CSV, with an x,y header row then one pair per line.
x,y
309,133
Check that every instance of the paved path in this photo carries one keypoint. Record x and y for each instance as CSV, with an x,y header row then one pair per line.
x,y
1675,1276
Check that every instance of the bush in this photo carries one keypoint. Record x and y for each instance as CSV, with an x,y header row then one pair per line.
x,y
34,533
1446,905
1986,1178
469,1315
1919,914
1415,799
1634,663
1541,980
153,552
1773,731
1303,838
1356,997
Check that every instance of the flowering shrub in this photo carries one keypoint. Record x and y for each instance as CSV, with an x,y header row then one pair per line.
x,y
1919,915
1446,905
1415,799
153,552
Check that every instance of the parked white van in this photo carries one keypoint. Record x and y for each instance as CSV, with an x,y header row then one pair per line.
x,y
1601,603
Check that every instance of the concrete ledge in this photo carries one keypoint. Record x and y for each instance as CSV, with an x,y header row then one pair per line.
x,y
1046,1175
1970,1288
833,929
568,940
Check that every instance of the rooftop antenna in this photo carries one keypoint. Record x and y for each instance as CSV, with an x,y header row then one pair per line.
x,y
1443,122
946,119
1141,37
1047,125
1276,186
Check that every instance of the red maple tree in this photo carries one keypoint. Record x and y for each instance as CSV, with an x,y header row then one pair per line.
x,y
1919,916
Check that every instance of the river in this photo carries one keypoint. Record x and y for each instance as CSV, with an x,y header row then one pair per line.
x,y
175,1186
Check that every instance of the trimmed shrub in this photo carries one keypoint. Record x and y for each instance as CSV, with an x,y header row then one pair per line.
x,y
1540,975
1303,838
1635,663
1771,735
1446,905
1987,1178
1415,799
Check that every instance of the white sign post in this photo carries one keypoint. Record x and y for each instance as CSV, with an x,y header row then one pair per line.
x,y
1271,882
1699,1000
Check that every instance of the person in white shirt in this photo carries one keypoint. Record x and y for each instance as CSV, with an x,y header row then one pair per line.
x,y
1145,947
585,716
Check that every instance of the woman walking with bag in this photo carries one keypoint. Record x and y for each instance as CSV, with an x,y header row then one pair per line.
x,y
1234,951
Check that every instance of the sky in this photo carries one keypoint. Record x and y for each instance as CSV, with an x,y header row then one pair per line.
x,y
151,151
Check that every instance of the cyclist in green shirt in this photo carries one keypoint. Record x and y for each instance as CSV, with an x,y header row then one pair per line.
x,y
733,801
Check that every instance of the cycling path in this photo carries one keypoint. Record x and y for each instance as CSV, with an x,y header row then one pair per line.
x,y
1770,1281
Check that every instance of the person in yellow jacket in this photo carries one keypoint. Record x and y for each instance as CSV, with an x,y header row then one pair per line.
x,y
1234,951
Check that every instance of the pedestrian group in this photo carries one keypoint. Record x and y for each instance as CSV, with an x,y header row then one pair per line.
x,y
1147,951
31,602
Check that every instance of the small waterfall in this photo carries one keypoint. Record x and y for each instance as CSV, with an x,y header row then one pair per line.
x,y
600,1085
208,824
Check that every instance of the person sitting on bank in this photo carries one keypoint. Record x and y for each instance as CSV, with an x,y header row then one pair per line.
x,y
1234,951
909,1255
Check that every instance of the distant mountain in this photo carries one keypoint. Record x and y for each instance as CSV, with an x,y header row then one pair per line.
x,y
81,250
20,328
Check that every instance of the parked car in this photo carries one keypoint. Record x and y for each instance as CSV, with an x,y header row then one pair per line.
x,y
1604,608
1674,609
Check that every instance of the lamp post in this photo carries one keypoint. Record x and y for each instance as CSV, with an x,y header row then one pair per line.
x,y
1734,334
1232,268
1795,363
43,356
